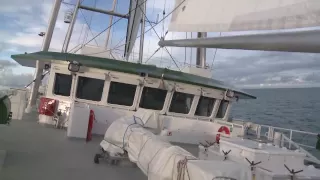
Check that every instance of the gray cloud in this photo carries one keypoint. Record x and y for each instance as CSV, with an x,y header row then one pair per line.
x,y
15,80
4,64
313,77
249,67
233,66
3,46
10,79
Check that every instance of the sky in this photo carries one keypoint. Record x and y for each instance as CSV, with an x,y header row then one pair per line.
x,y
22,20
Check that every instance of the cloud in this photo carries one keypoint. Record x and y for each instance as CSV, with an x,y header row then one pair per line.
x,y
19,34
6,64
272,68
15,80
10,79
11,6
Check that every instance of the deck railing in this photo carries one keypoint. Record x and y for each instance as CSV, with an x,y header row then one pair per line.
x,y
286,138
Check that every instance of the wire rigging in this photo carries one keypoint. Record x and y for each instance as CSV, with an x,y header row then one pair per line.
x,y
112,24
79,39
185,51
152,26
214,55
89,25
153,54
160,38
153,7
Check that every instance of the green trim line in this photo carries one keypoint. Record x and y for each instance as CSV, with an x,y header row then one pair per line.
x,y
132,68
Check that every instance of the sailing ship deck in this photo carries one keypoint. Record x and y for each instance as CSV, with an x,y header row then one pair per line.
x,y
36,152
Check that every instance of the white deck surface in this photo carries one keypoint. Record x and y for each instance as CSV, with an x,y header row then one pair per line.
x,y
34,152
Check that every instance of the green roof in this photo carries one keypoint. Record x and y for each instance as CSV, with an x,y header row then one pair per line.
x,y
131,68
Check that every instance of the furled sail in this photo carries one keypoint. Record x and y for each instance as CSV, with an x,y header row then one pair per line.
x,y
299,41
133,25
244,15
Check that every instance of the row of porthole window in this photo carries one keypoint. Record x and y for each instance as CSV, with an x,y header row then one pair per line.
x,y
123,94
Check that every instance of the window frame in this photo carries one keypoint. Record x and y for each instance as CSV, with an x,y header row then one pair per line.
x,y
210,93
213,108
52,79
89,75
226,112
187,89
162,111
175,113
113,77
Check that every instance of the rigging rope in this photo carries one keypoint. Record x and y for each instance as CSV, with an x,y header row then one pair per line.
x,y
160,37
153,55
80,34
214,56
163,14
89,24
185,51
152,26
191,51
113,24
162,33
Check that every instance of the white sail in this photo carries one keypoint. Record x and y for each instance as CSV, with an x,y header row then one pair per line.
x,y
244,15
133,25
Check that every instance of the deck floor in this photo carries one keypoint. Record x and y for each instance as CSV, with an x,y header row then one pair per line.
x,y
34,152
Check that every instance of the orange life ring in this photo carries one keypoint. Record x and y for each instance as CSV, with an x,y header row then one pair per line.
x,y
223,129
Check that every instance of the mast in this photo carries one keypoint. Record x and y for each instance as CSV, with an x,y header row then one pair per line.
x,y
45,47
201,52
143,25
110,23
134,22
70,28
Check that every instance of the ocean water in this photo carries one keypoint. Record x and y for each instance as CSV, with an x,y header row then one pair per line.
x,y
297,108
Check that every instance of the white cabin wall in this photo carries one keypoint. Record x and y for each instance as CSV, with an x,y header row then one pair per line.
x,y
215,108
63,69
187,130
104,116
189,89
19,100
106,113
228,111
63,104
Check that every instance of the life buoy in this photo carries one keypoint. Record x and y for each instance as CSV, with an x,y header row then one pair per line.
x,y
222,129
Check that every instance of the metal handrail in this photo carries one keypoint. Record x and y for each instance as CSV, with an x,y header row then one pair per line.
x,y
288,138
298,146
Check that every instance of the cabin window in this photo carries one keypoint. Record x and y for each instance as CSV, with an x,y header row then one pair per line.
x,y
222,109
181,103
121,93
205,106
89,88
153,98
62,84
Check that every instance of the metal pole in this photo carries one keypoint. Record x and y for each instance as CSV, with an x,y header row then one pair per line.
x,y
70,28
104,12
45,47
110,23
143,25
201,52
